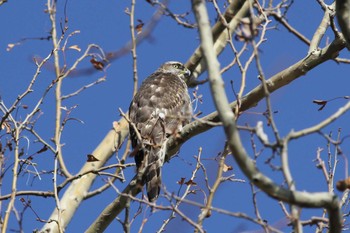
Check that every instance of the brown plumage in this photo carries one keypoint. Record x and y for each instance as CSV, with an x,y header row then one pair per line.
x,y
159,109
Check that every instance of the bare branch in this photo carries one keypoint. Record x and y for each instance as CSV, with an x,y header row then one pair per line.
x,y
304,199
321,30
234,13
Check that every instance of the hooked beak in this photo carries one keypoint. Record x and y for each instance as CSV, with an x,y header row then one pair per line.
x,y
187,72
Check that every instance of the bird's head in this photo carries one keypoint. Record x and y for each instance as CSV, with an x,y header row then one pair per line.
x,y
176,68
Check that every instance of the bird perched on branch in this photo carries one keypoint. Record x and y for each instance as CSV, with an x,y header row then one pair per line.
x,y
160,108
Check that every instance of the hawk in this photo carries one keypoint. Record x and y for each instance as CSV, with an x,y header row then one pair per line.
x,y
160,108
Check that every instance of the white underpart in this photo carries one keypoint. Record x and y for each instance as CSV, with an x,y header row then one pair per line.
x,y
162,115
159,112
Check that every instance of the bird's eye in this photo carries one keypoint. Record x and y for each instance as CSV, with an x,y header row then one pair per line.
x,y
176,66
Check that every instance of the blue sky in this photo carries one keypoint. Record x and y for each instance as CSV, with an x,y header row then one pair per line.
x,y
106,24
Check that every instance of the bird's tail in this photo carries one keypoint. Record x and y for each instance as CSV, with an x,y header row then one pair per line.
x,y
151,172
153,180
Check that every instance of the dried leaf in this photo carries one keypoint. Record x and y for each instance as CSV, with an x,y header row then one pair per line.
x,y
6,126
75,47
139,26
227,168
181,181
91,158
97,64
42,149
190,182
342,185
320,102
